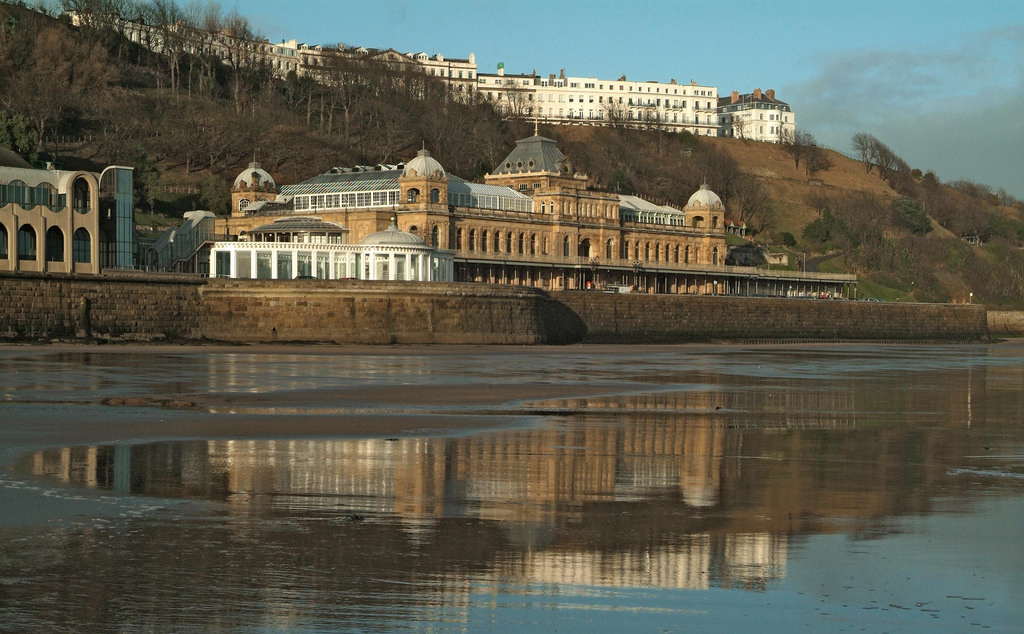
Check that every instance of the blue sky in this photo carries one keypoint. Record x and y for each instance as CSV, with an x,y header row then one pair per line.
x,y
941,82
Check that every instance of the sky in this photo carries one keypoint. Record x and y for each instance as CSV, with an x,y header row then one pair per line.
x,y
941,82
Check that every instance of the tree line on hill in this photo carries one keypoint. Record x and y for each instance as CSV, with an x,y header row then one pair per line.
x,y
179,113
182,109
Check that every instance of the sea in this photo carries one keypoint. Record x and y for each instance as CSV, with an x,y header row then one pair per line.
x,y
690,488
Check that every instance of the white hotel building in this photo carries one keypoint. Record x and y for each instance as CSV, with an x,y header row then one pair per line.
x,y
588,100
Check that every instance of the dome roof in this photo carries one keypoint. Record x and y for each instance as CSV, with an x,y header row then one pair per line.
x,y
255,177
705,198
423,165
534,154
393,236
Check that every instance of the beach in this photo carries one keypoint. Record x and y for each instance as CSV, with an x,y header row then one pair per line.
x,y
339,488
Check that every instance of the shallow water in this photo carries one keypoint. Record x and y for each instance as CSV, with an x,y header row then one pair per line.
x,y
579,489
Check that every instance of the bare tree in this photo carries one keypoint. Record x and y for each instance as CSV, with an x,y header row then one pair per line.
x,y
739,125
167,19
247,58
518,106
62,74
863,146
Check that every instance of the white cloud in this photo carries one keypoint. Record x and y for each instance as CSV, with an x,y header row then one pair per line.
x,y
957,111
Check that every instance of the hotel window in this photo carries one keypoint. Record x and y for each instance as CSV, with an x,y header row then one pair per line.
x,y
26,243
54,245
81,246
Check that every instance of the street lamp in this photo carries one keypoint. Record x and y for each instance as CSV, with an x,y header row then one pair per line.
x,y
636,273
593,272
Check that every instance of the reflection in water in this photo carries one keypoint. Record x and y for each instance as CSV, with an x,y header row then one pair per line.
x,y
699,472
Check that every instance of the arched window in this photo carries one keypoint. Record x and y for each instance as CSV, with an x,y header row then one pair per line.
x,y
18,192
81,246
714,256
544,247
458,240
483,240
608,249
472,239
243,204
533,244
508,242
584,249
80,197
676,257
54,245
413,195
497,241
698,221
522,242
26,243
565,247
3,242
435,236
435,195
647,250
46,194
714,222
686,255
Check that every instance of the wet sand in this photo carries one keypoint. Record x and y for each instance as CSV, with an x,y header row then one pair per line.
x,y
813,499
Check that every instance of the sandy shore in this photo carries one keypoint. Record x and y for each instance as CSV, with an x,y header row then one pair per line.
x,y
83,417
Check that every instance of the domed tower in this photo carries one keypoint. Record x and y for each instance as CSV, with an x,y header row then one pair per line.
x,y
423,183
254,183
705,210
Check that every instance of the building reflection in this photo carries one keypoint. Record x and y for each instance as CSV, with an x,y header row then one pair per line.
x,y
712,484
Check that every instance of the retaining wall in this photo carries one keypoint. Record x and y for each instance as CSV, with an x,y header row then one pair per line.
x,y
1009,323
635,318
354,311
112,306
153,308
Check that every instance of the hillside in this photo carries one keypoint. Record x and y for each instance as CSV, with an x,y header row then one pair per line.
x,y
189,124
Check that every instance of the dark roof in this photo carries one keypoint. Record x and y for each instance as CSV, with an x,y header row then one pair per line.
x,y
299,224
10,159
533,154
344,179
726,100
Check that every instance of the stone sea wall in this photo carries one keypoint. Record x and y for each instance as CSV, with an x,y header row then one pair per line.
x,y
1006,323
679,318
353,311
136,307
116,306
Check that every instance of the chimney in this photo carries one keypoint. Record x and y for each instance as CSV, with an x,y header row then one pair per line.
x,y
770,93
757,94
734,97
